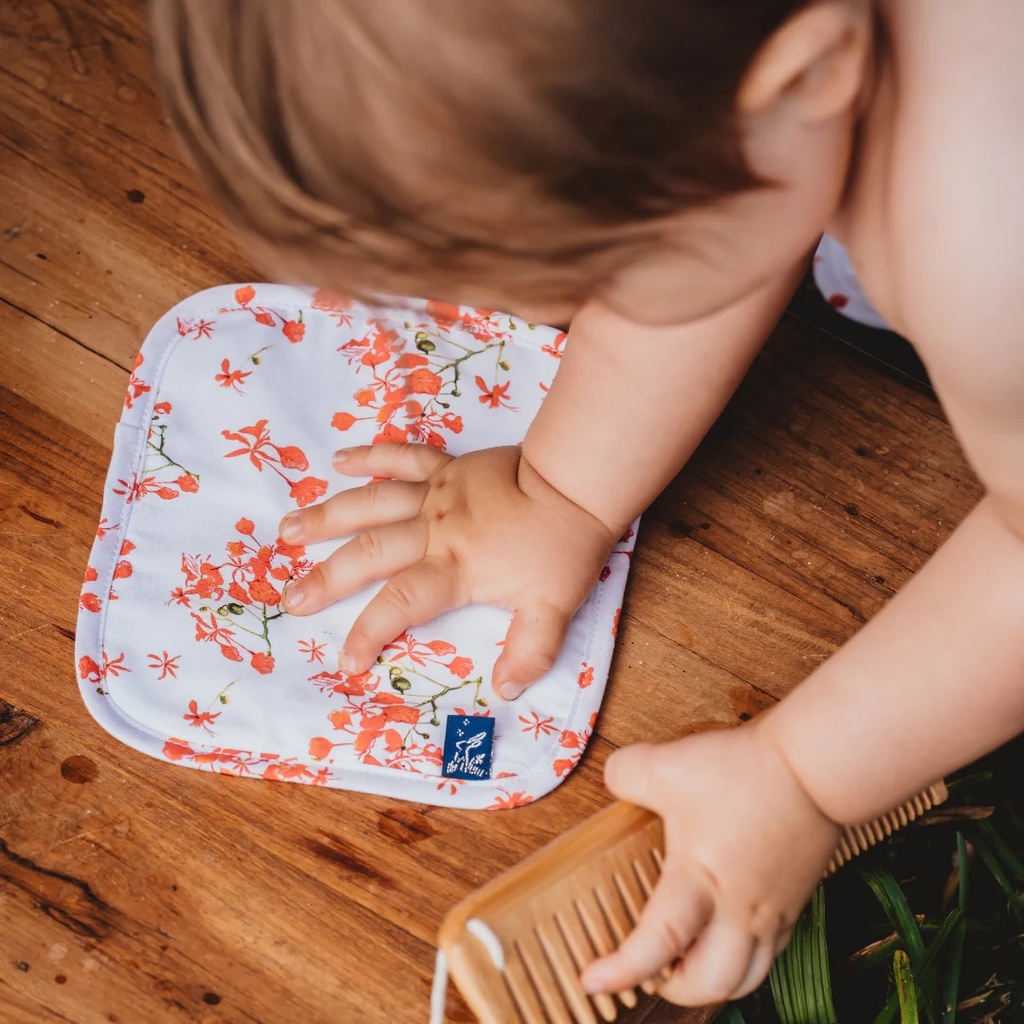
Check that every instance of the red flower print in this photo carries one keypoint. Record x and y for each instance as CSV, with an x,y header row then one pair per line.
x,y
167,665
245,295
263,663
556,347
256,444
228,378
586,676
200,719
509,800
460,666
90,672
537,725
246,526
308,490
320,747
333,304
90,602
313,649
293,458
175,750
136,386
495,396
342,420
424,382
294,330
198,328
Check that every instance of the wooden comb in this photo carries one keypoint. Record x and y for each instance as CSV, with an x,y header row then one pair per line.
x,y
516,947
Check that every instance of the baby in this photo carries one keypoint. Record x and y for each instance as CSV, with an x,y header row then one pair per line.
x,y
655,172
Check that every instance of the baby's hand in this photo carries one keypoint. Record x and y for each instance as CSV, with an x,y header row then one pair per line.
x,y
445,532
745,847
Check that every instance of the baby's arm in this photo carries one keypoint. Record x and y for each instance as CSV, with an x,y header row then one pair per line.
x,y
933,681
530,531
630,402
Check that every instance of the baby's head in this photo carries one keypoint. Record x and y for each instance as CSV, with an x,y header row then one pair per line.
x,y
665,156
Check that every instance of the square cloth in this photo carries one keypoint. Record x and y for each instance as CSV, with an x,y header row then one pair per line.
x,y
238,400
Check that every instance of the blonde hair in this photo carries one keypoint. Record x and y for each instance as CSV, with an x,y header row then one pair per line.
x,y
517,147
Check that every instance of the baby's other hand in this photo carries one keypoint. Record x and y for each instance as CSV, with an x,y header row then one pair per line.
x,y
745,848
446,532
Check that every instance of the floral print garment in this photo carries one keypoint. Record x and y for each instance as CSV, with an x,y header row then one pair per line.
x,y
238,400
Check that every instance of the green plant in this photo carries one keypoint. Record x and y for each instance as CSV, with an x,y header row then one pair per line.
x,y
941,938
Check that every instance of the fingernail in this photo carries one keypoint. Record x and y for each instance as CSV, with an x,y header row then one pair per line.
x,y
290,527
341,455
292,596
591,982
348,664
509,690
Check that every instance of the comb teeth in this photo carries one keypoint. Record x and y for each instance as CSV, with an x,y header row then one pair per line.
x,y
545,958
856,839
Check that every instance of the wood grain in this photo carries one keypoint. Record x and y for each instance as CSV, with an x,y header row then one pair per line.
x,y
131,891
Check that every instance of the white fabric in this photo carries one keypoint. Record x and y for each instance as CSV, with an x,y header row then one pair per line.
x,y
239,398
837,281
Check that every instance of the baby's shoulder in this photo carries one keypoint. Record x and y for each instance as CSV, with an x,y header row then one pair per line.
x,y
937,230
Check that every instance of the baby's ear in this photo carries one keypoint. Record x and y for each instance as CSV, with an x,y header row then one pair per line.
x,y
817,60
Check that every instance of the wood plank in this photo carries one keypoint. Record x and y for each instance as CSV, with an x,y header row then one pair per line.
x,y
59,376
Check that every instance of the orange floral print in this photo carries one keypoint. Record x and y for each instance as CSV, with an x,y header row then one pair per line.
x,y
508,800
314,650
161,475
200,719
576,743
201,328
396,727
136,386
335,305
231,761
241,595
537,725
409,394
256,444
293,330
166,664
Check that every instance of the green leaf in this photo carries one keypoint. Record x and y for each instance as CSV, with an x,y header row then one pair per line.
x,y
1009,860
952,983
923,968
906,989
799,978
896,908
992,862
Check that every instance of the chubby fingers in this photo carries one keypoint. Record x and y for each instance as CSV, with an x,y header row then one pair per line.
x,y
375,554
718,966
534,638
420,593
396,461
377,503
671,921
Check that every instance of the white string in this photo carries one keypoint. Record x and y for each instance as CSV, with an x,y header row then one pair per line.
x,y
439,989
488,940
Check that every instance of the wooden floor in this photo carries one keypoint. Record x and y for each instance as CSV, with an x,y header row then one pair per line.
x,y
137,891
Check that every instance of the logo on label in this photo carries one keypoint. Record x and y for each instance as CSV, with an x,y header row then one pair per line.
x,y
468,743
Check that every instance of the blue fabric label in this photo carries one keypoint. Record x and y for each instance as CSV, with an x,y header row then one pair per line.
x,y
468,743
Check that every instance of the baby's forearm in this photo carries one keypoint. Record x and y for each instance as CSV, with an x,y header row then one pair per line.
x,y
933,681
630,402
